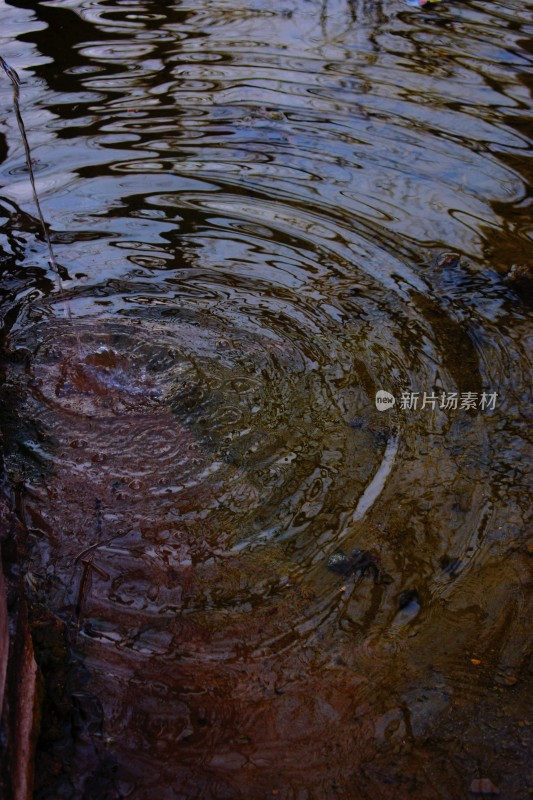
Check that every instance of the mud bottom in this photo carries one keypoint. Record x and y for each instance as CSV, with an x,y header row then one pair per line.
x,y
201,629
315,719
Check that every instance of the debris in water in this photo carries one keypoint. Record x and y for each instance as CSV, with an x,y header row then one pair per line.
x,y
15,82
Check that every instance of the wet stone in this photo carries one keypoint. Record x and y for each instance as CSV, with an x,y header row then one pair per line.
x,y
506,679
483,786
447,260
359,563
521,274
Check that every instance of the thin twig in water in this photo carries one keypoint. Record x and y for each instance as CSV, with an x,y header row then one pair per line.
x,y
15,82
82,590
98,544
88,565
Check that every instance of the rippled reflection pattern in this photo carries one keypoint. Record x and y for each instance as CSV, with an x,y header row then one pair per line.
x,y
264,214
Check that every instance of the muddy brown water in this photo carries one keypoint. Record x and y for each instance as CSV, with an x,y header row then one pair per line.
x,y
251,207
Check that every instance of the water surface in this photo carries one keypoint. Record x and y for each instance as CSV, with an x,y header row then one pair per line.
x,y
263,216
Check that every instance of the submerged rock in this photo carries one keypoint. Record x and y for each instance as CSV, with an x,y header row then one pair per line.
x,y
520,273
448,260
359,563
483,786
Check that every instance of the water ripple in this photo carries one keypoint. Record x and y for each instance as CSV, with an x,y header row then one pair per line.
x,y
267,215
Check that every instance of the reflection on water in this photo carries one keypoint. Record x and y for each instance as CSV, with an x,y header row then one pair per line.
x,y
250,206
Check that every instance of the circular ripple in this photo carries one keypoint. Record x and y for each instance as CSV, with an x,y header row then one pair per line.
x,y
207,419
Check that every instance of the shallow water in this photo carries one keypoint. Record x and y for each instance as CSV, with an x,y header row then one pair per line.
x,y
251,208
